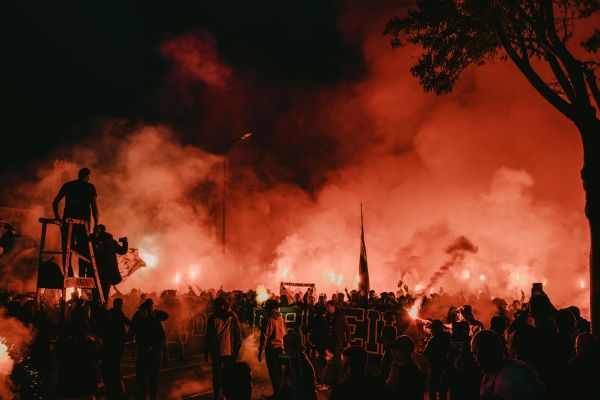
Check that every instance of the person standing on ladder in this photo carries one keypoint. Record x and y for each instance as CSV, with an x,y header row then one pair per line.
x,y
80,200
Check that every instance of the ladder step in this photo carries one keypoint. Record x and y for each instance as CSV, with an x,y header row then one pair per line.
x,y
76,221
80,282
49,221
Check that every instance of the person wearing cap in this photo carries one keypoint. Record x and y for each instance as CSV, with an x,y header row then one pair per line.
x,y
223,340
406,380
272,333
147,332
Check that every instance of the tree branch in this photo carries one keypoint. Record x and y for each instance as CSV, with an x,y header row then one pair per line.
x,y
561,77
535,23
572,65
590,77
534,79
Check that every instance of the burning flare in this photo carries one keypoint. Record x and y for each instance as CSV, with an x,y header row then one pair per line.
x,y
150,259
261,294
6,362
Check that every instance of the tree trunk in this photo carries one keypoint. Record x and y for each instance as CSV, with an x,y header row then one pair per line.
x,y
589,129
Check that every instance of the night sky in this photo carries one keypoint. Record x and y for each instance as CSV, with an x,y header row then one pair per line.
x,y
151,92
67,65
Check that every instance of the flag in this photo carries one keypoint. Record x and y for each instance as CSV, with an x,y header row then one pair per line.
x,y
363,267
130,262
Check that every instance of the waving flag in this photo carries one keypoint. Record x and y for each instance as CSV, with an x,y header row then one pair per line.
x,y
363,267
130,262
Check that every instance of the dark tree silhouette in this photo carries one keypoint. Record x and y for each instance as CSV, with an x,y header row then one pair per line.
x,y
536,36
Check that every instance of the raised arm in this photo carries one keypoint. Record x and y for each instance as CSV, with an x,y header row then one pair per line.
x,y
121,247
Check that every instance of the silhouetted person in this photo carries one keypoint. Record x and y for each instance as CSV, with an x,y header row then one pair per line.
x,y
551,363
271,342
169,301
147,331
452,315
584,369
464,374
80,200
106,249
565,322
317,336
388,337
302,383
498,324
77,351
582,325
114,344
466,313
337,335
436,352
223,340
358,384
406,380
237,381
503,378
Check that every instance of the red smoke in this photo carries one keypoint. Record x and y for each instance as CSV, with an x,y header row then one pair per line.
x,y
491,161
457,254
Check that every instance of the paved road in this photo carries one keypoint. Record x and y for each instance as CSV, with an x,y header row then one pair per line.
x,y
191,379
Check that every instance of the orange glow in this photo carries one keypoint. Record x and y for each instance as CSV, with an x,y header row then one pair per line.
x,y
414,311
6,362
150,259
423,177
193,271
261,294
3,349
335,279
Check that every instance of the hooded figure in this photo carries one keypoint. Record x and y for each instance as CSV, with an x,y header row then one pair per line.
x,y
271,342
223,339
106,249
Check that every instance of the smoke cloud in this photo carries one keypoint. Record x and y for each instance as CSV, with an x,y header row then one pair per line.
x,y
490,161
457,254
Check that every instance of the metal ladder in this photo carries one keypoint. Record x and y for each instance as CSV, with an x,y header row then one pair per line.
x,y
69,281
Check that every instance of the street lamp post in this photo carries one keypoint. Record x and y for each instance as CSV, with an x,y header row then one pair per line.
x,y
245,136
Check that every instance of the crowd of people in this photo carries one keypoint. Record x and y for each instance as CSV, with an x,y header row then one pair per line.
x,y
438,345
527,349
522,350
